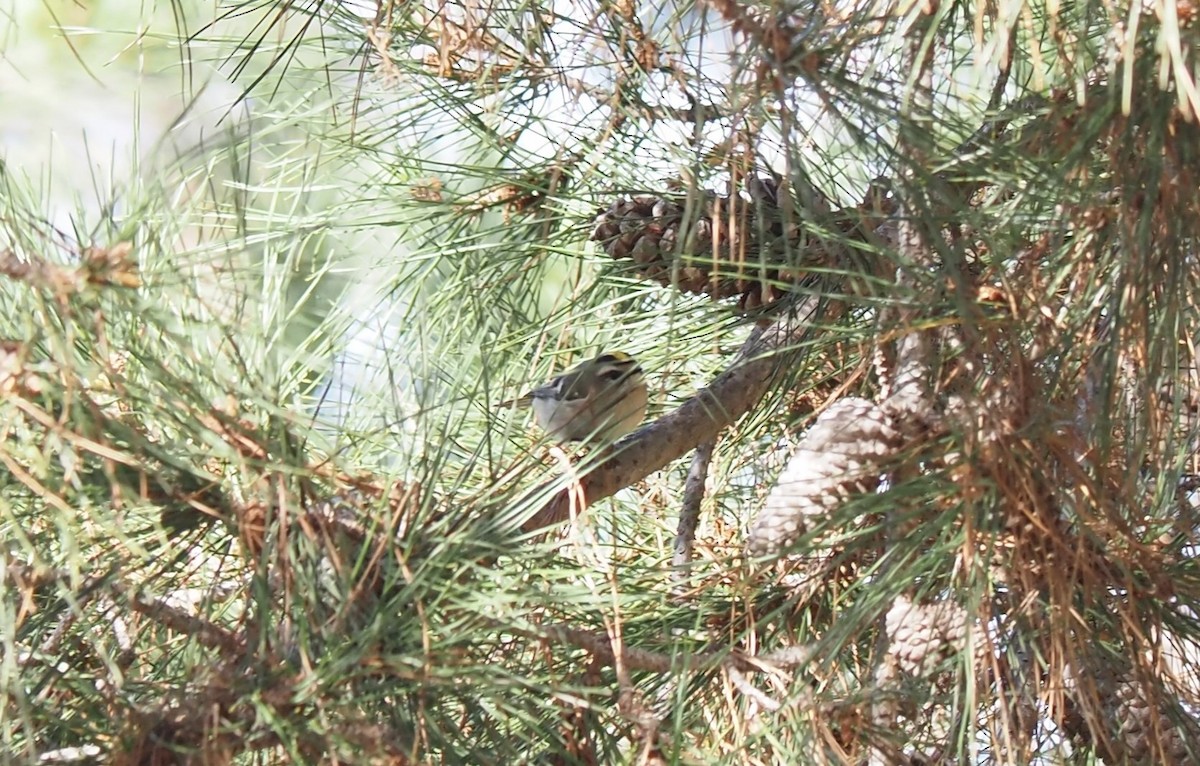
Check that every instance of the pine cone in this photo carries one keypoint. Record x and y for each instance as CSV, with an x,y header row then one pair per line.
x,y
841,455
1145,735
923,636
728,247
1138,723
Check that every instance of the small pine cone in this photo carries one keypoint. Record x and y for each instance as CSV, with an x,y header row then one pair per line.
x,y
350,510
923,636
631,215
699,255
993,417
1143,734
841,455
1127,720
345,509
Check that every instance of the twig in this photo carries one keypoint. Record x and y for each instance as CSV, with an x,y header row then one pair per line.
x,y
693,488
205,632
84,754
689,514
750,690
607,650
992,125
600,647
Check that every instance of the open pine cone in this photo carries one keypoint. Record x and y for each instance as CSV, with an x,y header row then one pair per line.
x,y
722,246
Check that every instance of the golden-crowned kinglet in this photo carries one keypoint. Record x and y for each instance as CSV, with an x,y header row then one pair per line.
x,y
598,400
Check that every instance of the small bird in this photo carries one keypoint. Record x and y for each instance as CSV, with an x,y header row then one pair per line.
x,y
598,400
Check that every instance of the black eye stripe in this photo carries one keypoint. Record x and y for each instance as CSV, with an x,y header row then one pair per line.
x,y
568,393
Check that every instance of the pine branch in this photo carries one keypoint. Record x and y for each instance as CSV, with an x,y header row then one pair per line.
x,y
731,395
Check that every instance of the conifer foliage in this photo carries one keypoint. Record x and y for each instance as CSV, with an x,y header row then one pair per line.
x,y
915,286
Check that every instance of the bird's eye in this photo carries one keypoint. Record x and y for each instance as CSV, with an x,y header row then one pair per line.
x,y
612,374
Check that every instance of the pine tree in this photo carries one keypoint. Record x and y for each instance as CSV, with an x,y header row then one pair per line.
x,y
914,286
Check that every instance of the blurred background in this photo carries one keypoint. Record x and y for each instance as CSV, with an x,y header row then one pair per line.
x,y
94,92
